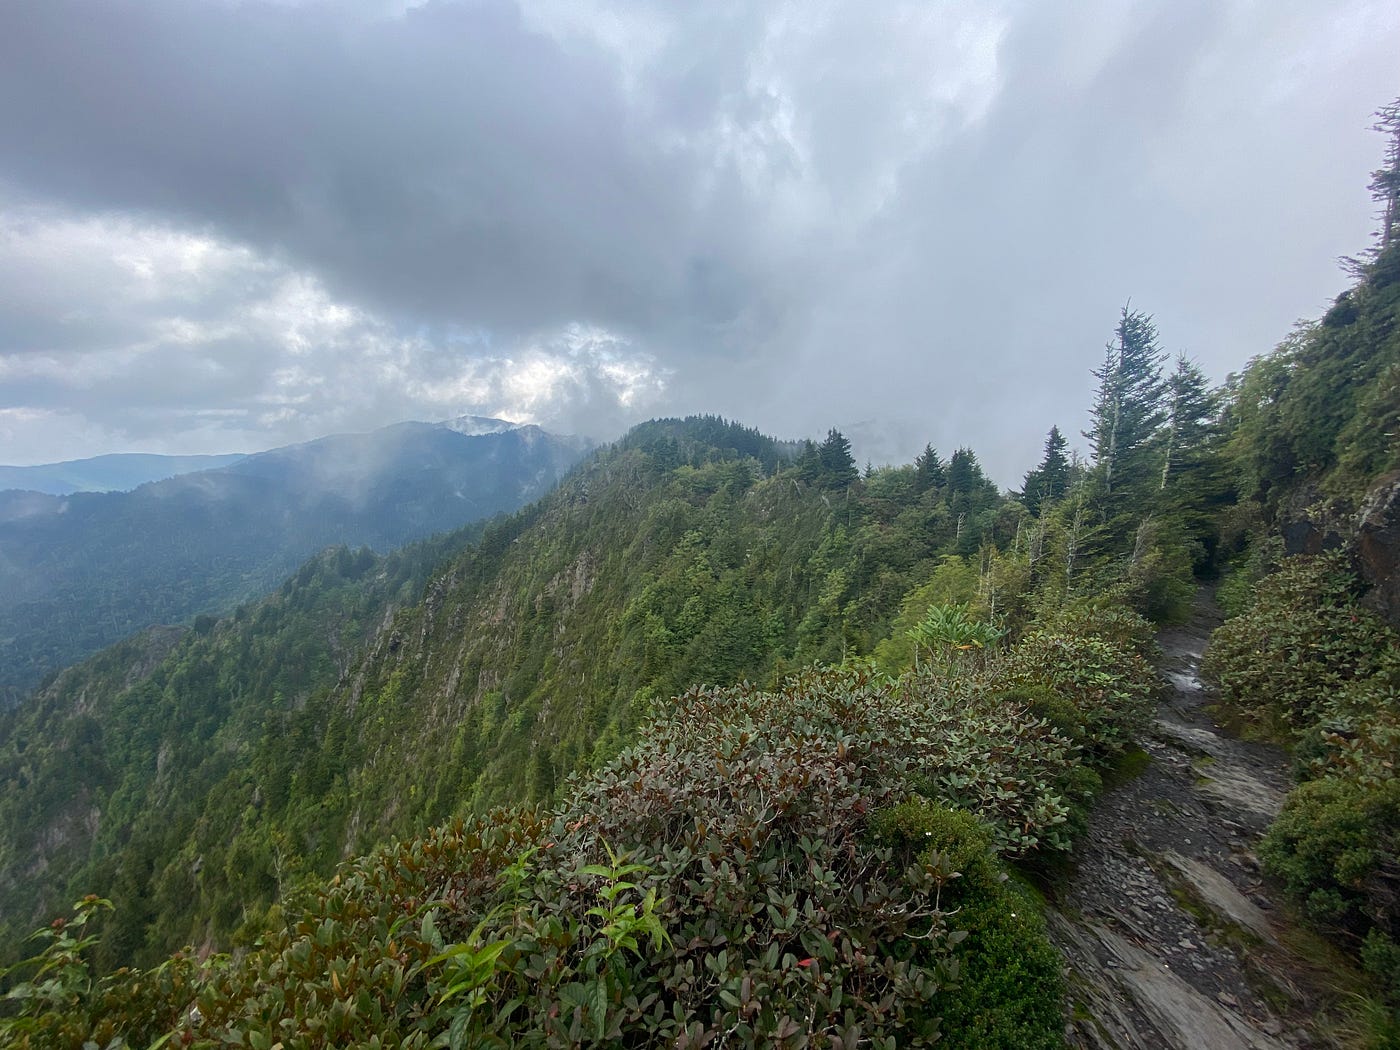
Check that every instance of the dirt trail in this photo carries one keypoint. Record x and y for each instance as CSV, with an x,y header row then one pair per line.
x,y
1171,937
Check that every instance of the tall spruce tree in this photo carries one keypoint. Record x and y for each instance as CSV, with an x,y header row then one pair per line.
x,y
838,466
1130,407
965,477
1385,182
1049,481
1190,423
928,470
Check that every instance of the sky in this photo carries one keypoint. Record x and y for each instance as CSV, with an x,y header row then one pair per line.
x,y
231,226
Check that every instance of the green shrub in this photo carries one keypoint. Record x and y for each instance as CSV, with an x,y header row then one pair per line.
x,y
1107,616
1311,665
1100,693
1358,736
1162,573
1236,591
1009,992
55,999
1336,847
1380,955
757,866
921,831
1296,648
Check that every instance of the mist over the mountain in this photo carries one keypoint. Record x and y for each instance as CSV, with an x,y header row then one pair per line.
x,y
83,570
966,616
118,472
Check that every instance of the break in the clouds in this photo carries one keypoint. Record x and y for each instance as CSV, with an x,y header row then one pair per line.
x,y
230,225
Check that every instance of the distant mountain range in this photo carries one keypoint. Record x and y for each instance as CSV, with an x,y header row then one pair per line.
x,y
115,473
124,471
79,571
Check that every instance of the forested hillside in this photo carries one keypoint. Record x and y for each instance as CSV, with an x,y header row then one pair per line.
x,y
723,741
81,571
106,771
1315,425
693,551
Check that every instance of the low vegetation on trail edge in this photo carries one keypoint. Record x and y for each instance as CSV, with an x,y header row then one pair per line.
x,y
1304,663
820,864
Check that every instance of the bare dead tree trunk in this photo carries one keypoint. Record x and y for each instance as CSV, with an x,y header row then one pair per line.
x,y
1140,541
1072,542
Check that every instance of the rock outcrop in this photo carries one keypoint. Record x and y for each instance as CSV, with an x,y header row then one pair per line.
x,y
1378,547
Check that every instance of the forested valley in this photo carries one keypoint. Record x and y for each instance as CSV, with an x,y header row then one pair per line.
x,y
81,571
726,741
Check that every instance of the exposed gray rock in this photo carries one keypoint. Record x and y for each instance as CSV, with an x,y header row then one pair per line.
x,y
1220,895
1140,1003
1163,928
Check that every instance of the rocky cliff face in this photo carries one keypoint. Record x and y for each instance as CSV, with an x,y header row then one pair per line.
x,y
1378,546
1372,534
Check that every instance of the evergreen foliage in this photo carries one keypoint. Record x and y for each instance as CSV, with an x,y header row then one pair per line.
x,y
1190,424
356,704
1302,641
1128,410
1321,414
1049,481
1385,181
817,860
1305,661
838,466
1310,430
928,470
144,770
1148,512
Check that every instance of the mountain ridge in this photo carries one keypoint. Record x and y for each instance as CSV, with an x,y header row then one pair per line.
x,y
82,570
114,472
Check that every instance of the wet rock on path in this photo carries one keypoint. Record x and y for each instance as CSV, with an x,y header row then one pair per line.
x,y
1171,937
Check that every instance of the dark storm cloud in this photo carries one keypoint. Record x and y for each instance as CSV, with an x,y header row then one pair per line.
x,y
449,162
914,221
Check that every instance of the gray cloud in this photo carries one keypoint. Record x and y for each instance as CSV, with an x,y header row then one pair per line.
x,y
914,221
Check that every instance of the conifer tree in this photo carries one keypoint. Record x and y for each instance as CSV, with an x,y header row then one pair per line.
x,y
1049,481
971,497
808,461
964,473
1385,182
1129,408
928,470
1191,409
838,466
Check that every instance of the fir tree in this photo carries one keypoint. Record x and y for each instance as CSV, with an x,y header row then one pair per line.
x,y
838,466
1191,410
808,462
928,470
1385,182
1129,408
1049,481
964,473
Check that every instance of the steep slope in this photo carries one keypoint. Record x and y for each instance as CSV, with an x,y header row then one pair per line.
x,y
82,571
692,551
814,864
1316,438
105,771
